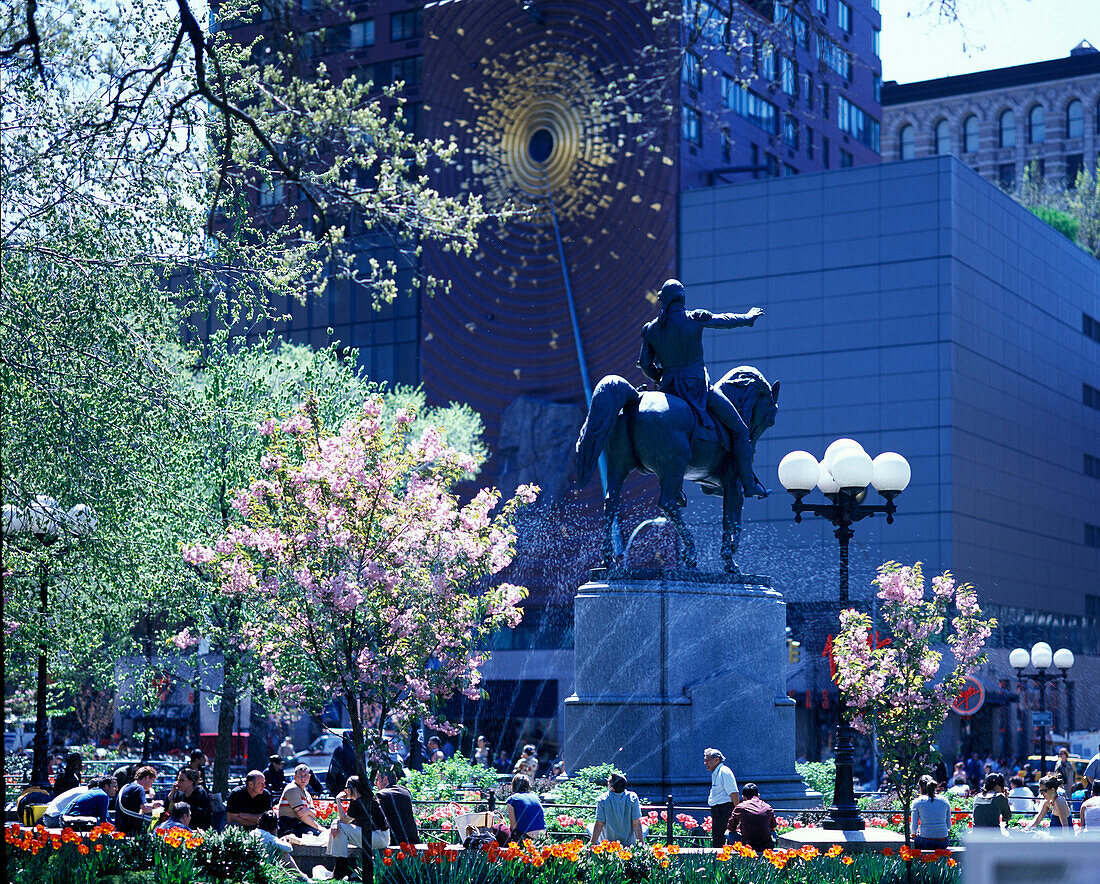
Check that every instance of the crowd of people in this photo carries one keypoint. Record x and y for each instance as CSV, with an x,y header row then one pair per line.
x,y
274,808
265,804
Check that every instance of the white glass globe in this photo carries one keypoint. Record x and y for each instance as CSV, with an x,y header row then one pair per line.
x,y
13,521
852,468
891,472
42,515
1063,658
1041,656
82,520
798,471
838,447
825,480
1019,658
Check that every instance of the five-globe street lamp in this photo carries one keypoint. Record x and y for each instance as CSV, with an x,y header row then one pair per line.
x,y
843,475
46,522
1041,658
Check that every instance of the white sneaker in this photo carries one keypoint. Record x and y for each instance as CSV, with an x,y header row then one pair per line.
x,y
320,873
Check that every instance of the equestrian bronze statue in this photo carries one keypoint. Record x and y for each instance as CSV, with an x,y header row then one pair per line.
x,y
687,428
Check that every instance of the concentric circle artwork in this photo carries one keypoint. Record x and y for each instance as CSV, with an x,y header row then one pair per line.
x,y
532,99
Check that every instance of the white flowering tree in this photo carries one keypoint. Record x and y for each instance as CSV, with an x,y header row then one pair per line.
x,y
897,690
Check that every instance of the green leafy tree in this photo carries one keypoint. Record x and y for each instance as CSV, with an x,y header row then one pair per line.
x,y
234,391
1073,211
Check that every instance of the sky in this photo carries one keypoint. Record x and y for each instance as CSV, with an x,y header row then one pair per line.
x,y
918,45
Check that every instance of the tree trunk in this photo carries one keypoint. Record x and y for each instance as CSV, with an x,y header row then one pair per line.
x,y
359,742
259,736
227,710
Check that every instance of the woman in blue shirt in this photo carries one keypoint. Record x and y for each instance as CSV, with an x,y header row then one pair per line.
x,y
525,816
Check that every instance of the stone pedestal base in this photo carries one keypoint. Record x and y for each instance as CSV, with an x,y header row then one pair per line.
x,y
666,666
867,840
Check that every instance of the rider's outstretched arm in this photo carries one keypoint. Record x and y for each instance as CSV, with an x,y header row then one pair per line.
x,y
726,320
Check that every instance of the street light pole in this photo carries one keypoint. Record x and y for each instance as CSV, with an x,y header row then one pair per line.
x,y
39,773
843,476
1041,659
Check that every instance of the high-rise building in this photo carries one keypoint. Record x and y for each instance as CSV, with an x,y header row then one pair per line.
x,y
1000,121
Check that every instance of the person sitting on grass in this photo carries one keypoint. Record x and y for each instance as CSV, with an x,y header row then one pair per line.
x,y
277,848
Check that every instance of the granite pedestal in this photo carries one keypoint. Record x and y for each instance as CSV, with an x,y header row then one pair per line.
x,y
667,665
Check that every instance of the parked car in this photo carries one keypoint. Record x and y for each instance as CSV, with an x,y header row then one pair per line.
x,y
319,754
1079,765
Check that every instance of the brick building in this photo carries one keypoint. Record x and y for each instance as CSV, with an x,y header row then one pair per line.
x,y
1001,120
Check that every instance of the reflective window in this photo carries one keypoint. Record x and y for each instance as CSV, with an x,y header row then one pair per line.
x,y
906,143
1007,129
1037,125
970,134
942,138
1075,119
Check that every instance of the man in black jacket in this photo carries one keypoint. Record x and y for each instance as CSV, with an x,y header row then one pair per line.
x,y
396,803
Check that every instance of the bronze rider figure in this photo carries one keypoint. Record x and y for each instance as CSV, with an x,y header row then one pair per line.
x,y
672,357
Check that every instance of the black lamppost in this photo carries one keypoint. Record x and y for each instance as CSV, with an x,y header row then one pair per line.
x,y
843,476
43,520
1041,658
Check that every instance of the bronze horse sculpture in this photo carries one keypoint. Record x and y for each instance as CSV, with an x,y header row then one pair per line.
x,y
660,435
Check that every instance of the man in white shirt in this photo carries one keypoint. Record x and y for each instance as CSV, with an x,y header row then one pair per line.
x,y
724,795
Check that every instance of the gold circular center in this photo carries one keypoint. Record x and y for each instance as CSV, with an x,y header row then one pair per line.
x,y
525,133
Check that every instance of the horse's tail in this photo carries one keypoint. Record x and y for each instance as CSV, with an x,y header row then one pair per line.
x,y
609,398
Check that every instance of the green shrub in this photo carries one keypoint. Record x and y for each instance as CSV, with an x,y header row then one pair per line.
x,y
1061,221
233,855
819,776
585,786
443,781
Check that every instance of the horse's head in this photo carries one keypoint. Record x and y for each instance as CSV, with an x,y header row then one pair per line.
x,y
755,398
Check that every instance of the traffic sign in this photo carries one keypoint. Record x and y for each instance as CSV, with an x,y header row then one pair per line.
x,y
1042,719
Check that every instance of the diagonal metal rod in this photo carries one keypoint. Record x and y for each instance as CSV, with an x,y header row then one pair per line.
x,y
586,385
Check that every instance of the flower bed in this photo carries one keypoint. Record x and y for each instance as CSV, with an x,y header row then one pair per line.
x,y
39,856
611,863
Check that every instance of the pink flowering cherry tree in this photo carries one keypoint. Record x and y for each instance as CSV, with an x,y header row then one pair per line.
x,y
903,689
372,582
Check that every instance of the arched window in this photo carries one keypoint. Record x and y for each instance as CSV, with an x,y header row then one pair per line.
x,y
970,134
1075,119
943,138
906,143
1037,125
1007,129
